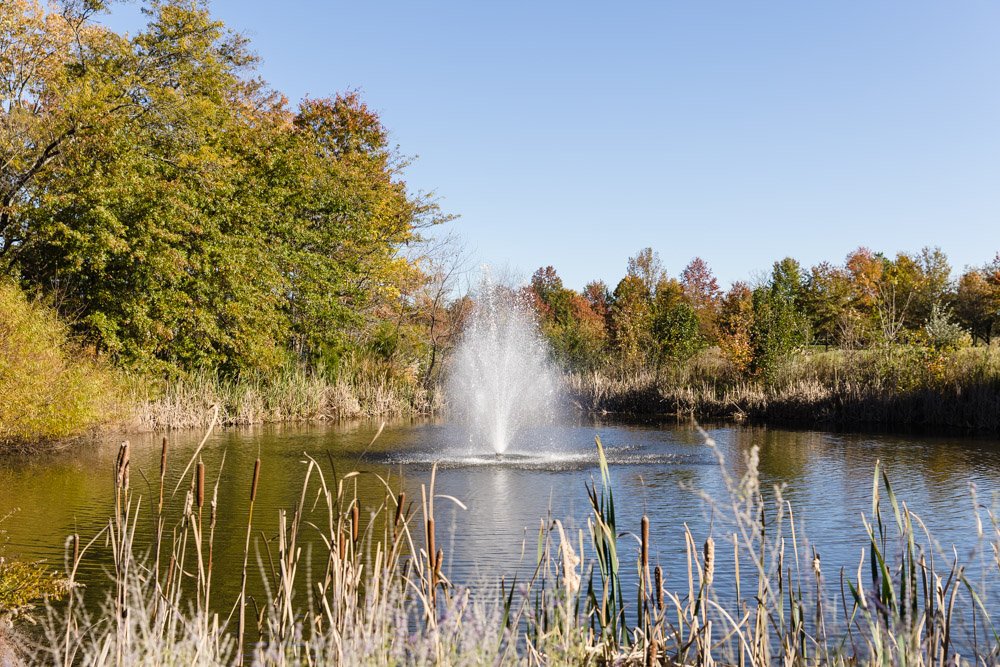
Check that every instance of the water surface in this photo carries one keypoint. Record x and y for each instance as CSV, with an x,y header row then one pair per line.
x,y
661,471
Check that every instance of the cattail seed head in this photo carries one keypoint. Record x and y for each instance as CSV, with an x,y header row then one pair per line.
x,y
709,561
355,523
163,458
653,653
201,485
400,500
256,477
817,570
76,548
122,468
438,559
658,583
430,541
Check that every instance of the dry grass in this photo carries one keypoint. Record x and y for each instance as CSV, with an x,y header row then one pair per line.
x,y
893,387
363,388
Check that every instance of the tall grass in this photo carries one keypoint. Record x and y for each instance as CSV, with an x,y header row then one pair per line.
x,y
49,389
382,595
890,387
362,387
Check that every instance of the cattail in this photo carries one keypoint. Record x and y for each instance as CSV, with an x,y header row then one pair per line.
x,y
709,561
658,582
76,549
399,508
124,455
355,522
256,477
438,560
163,472
342,547
645,542
200,497
816,565
163,458
652,653
430,541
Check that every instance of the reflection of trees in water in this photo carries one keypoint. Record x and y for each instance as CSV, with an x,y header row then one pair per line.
x,y
784,455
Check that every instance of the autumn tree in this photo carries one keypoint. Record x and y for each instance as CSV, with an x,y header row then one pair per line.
x,y
574,330
647,266
736,326
826,300
702,292
977,301
631,320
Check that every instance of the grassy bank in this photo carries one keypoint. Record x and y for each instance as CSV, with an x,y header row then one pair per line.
x,y
900,386
362,388
383,595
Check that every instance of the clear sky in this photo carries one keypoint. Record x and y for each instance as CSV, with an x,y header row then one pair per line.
x,y
575,133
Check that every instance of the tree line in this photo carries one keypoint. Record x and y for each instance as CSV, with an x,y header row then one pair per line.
x,y
651,318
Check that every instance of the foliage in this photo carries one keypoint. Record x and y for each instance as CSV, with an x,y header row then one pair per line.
x,y
977,300
779,324
178,212
49,388
943,333
702,291
569,323
25,585
736,320
676,326
631,320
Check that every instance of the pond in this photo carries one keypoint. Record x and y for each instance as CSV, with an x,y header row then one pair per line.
x,y
662,471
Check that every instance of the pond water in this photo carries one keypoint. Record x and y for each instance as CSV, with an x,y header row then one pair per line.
x,y
658,470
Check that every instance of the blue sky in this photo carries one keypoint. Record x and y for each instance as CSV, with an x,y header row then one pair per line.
x,y
576,133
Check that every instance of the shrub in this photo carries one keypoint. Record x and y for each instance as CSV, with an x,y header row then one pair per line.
x,y
49,388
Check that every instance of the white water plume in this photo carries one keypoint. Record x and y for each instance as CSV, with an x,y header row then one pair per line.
x,y
502,382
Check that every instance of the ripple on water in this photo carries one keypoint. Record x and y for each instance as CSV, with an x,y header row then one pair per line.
x,y
556,461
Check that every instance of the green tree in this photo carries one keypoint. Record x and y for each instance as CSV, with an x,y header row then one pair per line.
x,y
676,329
631,321
826,299
185,216
779,324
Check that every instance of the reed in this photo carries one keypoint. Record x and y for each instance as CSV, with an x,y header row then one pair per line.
x,y
383,595
900,386
362,388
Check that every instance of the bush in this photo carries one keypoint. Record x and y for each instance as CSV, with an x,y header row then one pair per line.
x,y
942,332
49,388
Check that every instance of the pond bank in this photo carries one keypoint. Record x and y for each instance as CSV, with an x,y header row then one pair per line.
x,y
973,407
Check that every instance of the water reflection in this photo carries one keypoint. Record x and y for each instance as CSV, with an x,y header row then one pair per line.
x,y
659,471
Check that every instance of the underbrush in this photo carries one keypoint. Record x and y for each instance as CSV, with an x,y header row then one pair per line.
x,y
362,387
50,389
382,596
894,386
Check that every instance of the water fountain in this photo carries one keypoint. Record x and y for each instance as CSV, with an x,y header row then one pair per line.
x,y
502,382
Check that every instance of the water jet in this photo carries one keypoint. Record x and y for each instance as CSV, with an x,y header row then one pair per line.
x,y
501,381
